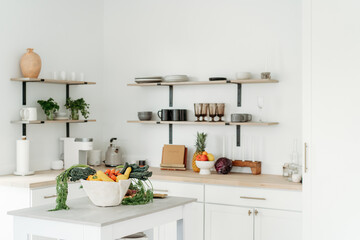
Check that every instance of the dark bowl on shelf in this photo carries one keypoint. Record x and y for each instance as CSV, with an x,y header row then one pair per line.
x,y
144,116
241,117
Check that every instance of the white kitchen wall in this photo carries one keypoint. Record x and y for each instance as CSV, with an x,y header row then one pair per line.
x,y
202,38
68,35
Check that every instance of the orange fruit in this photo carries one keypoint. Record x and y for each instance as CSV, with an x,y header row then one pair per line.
x,y
204,153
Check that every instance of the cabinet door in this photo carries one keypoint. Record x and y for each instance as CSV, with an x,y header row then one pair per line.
x,y
228,222
277,224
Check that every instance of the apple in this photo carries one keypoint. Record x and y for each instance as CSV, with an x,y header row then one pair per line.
x,y
204,158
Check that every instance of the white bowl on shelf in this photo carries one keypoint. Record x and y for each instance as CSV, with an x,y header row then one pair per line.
x,y
106,194
205,166
243,75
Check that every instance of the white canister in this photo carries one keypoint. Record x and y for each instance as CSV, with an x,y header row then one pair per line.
x,y
94,157
28,114
57,165
22,157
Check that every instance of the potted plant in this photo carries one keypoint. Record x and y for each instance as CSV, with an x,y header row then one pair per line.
x,y
77,105
50,107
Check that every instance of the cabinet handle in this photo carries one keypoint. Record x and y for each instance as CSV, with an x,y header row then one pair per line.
x,y
253,198
305,159
51,196
256,212
159,190
249,212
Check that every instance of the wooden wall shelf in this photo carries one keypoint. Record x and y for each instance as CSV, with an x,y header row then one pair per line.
x,y
205,123
248,81
54,121
67,83
239,84
52,81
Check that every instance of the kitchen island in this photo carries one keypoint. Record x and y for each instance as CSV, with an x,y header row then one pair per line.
x,y
85,221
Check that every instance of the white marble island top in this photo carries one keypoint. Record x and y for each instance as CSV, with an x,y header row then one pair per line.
x,y
82,211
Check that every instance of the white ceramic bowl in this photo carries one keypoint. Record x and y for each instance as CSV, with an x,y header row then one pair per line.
x,y
106,194
243,75
205,166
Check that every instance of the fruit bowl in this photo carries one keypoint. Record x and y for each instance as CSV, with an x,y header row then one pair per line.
x,y
205,167
106,194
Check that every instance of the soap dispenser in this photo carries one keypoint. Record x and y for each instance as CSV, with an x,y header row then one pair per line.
x,y
113,155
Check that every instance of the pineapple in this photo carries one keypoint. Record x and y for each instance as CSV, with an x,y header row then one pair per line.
x,y
200,147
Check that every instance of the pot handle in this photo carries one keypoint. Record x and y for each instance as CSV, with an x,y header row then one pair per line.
x,y
158,113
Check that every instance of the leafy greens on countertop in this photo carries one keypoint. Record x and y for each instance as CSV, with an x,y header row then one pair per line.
x,y
73,174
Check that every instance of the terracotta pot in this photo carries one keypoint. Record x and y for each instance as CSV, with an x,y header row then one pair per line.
x,y
30,64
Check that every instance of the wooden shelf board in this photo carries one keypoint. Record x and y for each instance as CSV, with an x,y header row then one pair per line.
x,y
53,121
205,123
52,81
254,123
248,81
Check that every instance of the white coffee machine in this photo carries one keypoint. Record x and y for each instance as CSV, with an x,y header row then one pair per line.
x,y
75,150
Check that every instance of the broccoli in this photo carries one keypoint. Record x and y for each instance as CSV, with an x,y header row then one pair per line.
x,y
81,173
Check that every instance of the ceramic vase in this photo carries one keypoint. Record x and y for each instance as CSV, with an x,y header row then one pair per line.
x,y
30,64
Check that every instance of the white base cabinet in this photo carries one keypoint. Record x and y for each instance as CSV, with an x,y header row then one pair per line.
x,y
277,224
228,222
234,223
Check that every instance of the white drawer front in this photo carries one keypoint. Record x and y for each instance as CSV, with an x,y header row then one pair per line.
x,y
177,189
254,197
47,195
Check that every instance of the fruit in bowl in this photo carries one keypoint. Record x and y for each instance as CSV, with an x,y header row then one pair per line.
x,y
200,149
205,161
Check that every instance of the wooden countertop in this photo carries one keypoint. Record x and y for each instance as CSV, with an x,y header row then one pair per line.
x,y
47,178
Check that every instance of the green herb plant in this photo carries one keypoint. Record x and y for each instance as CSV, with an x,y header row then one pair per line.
x,y
80,172
140,182
144,193
50,107
77,105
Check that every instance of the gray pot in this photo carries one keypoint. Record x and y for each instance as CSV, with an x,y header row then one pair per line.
x,y
144,116
241,117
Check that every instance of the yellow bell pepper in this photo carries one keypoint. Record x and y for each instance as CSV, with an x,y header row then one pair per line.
x,y
103,177
125,176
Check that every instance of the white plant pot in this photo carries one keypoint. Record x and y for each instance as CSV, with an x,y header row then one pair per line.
x,y
106,194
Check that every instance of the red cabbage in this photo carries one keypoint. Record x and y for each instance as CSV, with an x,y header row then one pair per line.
x,y
223,165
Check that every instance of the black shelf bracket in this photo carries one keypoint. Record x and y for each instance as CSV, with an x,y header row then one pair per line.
x,y
23,103
238,135
67,129
67,91
171,96
67,96
170,134
24,93
23,129
239,86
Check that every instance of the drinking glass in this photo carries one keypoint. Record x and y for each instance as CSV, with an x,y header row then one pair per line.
x,y
212,111
220,110
260,105
204,111
198,110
